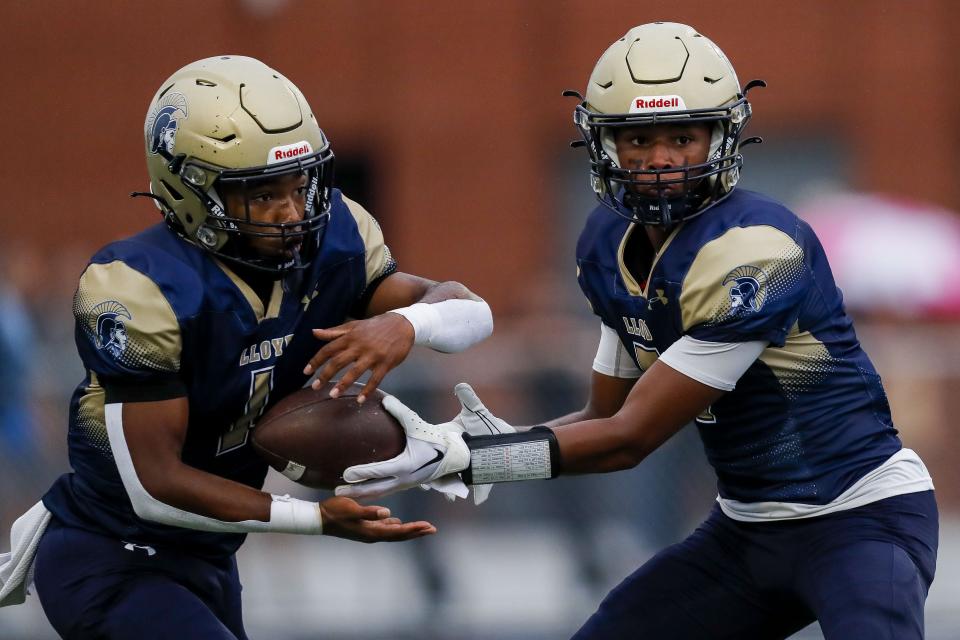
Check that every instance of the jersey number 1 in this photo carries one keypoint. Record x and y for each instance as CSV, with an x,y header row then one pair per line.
x,y
234,437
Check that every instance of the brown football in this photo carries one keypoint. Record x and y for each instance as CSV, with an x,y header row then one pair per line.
x,y
311,438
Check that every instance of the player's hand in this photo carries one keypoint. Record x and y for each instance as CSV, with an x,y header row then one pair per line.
x,y
376,344
432,451
477,420
344,518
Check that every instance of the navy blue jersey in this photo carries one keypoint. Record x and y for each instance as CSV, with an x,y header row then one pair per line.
x,y
158,317
810,416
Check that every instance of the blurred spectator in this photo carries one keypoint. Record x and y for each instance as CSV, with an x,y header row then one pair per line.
x,y
16,346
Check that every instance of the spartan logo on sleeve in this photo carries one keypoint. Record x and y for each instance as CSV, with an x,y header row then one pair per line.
x,y
111,331
163,121
749,290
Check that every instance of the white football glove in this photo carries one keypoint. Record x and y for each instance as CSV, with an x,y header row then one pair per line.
x,y
477,420
432,451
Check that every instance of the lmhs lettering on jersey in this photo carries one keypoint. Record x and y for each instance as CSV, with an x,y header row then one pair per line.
x,y
266,350
637,327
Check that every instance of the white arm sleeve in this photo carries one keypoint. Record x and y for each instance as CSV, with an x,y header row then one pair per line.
x,y
287,515
449,326
613,359
715,364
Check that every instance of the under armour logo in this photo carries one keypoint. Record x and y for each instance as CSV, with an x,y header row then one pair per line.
x,y
129,546
662,299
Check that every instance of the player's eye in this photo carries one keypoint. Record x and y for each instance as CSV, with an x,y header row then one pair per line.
x,y
684,140
261,196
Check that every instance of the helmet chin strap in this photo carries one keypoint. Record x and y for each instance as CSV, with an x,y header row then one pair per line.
x,y
665,210
293,278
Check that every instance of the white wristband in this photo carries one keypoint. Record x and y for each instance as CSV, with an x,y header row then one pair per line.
x,y
449,326
290,515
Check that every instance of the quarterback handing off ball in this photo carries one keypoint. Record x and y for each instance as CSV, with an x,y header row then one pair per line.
x,y
311,438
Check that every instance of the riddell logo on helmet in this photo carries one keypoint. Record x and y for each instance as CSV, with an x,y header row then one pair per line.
x,y
289,152
657,103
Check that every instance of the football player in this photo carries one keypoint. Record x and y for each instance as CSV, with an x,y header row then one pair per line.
x,y
189,331
717,306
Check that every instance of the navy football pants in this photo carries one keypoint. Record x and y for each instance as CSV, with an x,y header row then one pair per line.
x,y
93,586
864,574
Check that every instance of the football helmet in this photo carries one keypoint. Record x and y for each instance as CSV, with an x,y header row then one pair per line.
x,y
659,73
234,120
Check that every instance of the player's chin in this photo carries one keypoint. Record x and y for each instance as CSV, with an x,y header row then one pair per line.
x,y
671,186
652,190
276,249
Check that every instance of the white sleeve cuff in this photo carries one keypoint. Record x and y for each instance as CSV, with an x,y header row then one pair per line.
x,y
715,364
450,325
290,515
613,359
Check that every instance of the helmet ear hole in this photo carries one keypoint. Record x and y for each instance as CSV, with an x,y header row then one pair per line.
x,y
173,192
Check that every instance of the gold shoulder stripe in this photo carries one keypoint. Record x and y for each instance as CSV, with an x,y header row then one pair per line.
x,y
705,294
633,287
378,257
125,313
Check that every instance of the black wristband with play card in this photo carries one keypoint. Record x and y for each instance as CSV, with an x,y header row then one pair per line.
x,y
509,457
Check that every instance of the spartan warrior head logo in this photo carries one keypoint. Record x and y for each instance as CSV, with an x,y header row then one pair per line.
x,y
749,290
111,332
163,121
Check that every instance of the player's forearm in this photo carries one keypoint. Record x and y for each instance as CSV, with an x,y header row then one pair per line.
x,y
607,395
205,494
577,416
450,290
601,445
591,446
193,499
448,318
445,316
659,405
163,489
179,495
403,289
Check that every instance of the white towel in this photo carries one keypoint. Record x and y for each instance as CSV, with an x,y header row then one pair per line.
x,y
16,567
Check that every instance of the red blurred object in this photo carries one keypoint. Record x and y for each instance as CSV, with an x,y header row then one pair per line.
x,y
891,257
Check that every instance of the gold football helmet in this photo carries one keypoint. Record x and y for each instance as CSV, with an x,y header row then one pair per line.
x,y
656,73
233,119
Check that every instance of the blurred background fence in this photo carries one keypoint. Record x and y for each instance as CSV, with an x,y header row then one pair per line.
x,y
448,124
